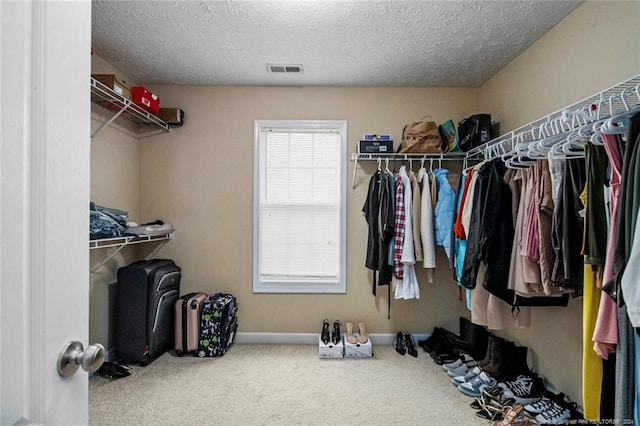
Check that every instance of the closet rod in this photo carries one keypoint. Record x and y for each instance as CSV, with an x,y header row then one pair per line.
x,y
600,106
449,156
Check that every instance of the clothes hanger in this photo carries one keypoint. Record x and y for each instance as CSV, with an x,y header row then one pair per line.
x,y
386,165
572,147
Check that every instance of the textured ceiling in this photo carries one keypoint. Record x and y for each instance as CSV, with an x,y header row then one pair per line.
x,y
338,42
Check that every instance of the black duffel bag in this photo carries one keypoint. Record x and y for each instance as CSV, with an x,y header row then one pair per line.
x,y
474,131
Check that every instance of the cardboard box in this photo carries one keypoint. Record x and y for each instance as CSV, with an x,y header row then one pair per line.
x,y
114,83
357,350
145,99
330,350
172,116
375,147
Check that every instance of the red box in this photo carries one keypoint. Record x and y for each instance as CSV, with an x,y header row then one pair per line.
x,y
145,99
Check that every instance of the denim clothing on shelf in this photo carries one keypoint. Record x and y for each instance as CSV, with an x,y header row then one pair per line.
x,y
105,222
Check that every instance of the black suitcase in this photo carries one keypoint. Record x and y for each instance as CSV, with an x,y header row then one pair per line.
x,y
146,294
219,323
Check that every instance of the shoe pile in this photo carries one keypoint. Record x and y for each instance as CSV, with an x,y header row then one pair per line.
x,y
496,373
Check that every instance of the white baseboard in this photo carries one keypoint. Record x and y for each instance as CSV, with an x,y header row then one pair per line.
x,y
309,338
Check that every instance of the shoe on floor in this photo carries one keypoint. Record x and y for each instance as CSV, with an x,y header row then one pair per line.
x,y
462,359
410,344
525,390
399,344
460,371
556,415
467,377
474,386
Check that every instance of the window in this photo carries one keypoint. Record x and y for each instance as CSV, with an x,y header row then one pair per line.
x,y
299,213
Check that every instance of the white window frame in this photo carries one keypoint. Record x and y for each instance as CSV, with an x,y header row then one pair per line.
x,y
339,285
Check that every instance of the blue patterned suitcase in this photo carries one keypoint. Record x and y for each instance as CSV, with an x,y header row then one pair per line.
x,y
218,325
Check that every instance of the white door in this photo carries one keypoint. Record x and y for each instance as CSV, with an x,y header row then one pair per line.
x,y
44,192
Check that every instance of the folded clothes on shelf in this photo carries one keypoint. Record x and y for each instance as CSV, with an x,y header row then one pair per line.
x,y
154,228
106,222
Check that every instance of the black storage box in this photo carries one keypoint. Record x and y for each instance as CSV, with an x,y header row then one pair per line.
x,y
375,147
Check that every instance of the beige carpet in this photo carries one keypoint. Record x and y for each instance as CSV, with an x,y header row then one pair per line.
x,y
282,385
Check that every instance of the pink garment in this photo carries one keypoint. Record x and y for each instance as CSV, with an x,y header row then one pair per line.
x,y
605,333
530,242
529,252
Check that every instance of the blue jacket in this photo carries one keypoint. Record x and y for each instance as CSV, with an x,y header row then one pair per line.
x,y
444,210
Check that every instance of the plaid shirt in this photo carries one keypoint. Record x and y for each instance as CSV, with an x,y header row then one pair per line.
x,y
398,229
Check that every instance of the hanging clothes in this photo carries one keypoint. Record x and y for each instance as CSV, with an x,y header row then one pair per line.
x,y
605,334
529,250
408,288
392,201
591,362
443,210
595,242
426,225
545,226
568,227
626,216
398,229
416,216
378,214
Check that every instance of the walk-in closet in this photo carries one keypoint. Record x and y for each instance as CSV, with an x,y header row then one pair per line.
x,y
509,299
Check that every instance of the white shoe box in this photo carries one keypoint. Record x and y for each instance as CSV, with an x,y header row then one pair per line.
x,y
330,350
357,350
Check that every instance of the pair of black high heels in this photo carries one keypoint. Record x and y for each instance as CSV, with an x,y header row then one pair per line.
x,y
335,336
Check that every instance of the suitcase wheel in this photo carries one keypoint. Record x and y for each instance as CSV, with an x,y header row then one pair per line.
x,y
179,353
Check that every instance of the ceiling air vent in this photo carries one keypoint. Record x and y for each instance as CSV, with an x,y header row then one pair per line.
x,y
285,68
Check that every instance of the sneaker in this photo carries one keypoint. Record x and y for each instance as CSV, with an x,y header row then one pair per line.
x,y
463,359
547,401
474,386
539,406
554,416
526,390
460,371
466,377
509,383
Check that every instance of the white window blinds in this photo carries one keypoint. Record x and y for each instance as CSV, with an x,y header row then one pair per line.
x,y
299,209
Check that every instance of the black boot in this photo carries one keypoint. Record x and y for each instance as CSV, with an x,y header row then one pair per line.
x,y
491,340
519,365
502,359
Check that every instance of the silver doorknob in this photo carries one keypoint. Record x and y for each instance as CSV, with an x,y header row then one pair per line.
x,y
74,355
